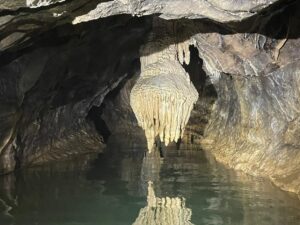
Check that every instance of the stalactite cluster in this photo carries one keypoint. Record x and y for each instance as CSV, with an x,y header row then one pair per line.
x,y
163,96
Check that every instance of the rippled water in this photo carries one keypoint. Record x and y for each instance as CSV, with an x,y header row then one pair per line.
x,y
186,187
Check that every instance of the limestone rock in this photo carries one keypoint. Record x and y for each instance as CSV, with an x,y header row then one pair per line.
x,y
41,3
222,11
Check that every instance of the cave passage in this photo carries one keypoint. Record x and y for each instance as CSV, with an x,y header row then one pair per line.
x,y
147,112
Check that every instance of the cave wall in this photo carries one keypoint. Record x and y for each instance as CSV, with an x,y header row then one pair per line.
x,y
254,125
53,72
48,91
117,112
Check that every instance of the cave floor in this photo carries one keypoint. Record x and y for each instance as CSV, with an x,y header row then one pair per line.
x,y
123,186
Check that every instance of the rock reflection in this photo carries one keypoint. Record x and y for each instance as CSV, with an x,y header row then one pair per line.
x,y
5,215
8,199
183,188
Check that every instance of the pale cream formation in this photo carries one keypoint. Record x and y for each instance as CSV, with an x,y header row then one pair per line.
x,y
163,96
163,211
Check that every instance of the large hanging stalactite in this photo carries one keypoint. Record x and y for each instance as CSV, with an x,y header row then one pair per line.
x,y
163,96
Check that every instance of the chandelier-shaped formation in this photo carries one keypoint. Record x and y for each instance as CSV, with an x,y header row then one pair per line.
x,y
163,96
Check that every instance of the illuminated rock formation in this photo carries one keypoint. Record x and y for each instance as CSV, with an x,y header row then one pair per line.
x,y
163,211
163,96
41,3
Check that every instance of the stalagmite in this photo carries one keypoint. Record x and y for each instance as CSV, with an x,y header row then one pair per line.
x,y
163,211
163,96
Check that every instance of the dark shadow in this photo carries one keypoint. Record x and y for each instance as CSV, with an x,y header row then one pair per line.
x,y
95,113
119,27
195,70
95,116
207,96
198,76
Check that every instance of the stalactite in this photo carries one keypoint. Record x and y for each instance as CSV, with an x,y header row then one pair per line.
x,y
163,211
163,96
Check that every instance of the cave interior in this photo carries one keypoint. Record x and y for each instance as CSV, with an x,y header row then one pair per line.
x,y
71,85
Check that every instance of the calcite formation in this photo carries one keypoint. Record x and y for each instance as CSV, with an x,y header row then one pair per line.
x,y
163,96
163,211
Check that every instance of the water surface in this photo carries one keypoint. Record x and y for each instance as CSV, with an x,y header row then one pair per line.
x,y
125,187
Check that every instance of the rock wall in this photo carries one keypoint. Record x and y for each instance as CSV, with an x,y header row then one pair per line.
x,y
254,123
48,90
53,72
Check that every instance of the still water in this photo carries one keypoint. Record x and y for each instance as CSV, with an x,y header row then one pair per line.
x,y
124,187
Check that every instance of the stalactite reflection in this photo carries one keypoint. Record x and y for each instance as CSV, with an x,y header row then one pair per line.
x,y
163,211
160,210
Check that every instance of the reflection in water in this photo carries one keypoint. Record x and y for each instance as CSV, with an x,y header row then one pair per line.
x,y
163,211
7,198
160,211
124,187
